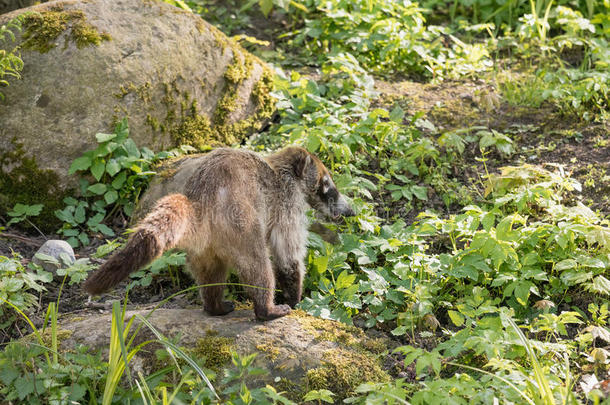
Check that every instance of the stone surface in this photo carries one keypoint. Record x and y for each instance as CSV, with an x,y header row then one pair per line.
x,y
288,347
178,79
53,248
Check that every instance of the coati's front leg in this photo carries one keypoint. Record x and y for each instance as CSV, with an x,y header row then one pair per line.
x,y
207,269
289,278
287,245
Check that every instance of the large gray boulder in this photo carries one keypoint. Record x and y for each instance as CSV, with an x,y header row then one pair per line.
x,y
299,351
90,63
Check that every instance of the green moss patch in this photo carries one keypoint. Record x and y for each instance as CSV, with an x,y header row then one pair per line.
x,y
21,181
194,131
216,350
186,125
333,331
290,389
42,29
343,371
270,348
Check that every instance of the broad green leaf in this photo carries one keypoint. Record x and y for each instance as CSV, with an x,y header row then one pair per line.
x,y
79,214
111,196
95,220
266,6
600,285
321,264
97,189
83,238
81,163
522,291
345,280
104,137
420,192
119,180
33,210
113,167
573,277
397,114
105,230
456,318
24,386
566,264
12,284
8,374
131,148
98,168
591,262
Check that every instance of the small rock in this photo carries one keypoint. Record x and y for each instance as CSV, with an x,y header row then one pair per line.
x,y
55,249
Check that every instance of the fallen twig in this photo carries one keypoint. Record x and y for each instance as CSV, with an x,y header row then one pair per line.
x,y
23,239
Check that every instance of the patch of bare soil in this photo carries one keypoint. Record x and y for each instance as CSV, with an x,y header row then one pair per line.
x,y
14,241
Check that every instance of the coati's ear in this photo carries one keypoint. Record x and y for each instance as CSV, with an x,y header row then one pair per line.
x,y
301,163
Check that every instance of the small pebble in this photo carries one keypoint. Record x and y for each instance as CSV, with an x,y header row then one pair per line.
x,y
54,248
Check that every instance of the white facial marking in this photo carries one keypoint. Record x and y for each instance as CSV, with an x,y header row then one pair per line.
x,y
325,184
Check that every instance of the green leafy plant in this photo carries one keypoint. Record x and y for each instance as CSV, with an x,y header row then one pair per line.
x,y
11,63
21,212
319,396
30,375
170,262
17,285
120,172
267,5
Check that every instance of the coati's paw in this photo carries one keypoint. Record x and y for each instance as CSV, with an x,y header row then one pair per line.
x,y
293,301
267,314
218,310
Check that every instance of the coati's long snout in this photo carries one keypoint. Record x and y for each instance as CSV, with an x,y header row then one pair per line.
x,y
162,229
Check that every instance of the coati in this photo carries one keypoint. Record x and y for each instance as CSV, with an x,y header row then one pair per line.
x,y
238,210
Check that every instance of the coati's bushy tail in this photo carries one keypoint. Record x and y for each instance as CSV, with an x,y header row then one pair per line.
x,y
163,228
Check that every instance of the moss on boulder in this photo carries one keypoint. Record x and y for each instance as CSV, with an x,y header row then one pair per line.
x,y
343,371
42,29
214,350
22,181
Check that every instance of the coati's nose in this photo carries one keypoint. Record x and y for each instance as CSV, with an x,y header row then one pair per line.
x,y
342,207
349,212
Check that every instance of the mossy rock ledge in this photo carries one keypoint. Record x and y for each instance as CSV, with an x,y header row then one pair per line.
x,y
90,63
300,352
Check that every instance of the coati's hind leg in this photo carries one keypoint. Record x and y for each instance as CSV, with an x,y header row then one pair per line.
x,y
211,270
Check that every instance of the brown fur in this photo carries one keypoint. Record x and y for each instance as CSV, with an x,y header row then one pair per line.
x,y
238,210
